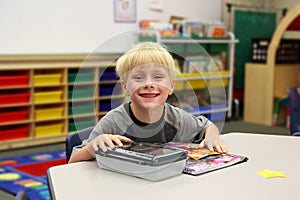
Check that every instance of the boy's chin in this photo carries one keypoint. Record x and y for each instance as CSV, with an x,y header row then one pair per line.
x,y
152,106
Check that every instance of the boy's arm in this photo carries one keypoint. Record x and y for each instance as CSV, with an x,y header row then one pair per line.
x,y
81,155
212,139
101,141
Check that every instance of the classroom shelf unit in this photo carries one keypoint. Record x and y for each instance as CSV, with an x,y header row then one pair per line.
x,y
267,82
43,98
206,83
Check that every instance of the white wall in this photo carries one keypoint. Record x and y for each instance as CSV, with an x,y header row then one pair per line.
x,y
80,26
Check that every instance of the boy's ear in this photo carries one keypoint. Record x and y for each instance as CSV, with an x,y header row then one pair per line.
x,y
124,87
172,87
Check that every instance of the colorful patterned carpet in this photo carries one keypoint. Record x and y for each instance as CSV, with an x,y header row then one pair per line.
x,y
28,173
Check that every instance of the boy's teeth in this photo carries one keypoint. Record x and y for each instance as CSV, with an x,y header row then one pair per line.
x,y
149,95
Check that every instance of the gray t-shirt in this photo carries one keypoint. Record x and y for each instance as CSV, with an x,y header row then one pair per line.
x,y
175,125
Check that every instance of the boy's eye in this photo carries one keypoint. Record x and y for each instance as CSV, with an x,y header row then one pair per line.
x,y
158,76
138,77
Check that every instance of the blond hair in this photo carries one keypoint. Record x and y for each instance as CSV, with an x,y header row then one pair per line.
x,y
145,53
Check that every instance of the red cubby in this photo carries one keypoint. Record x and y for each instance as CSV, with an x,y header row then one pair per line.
x,y
14,97
14,78
13,115
13,132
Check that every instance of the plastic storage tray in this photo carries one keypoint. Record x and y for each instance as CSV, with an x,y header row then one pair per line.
x,y
78,93
10,133
108,105
189,84
147,161
108,76
107,90
80,77
19,80
49,113
13,115
47,79
14,98
81,108
48,129
50,96
80,124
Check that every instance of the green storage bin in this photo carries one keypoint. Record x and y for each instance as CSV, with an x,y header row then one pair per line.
x,y
147,38
81,77
175,47
79,93
217,48
196,48
81,108
80,124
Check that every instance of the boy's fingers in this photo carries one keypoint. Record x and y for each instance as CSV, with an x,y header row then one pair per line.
x,y
125,139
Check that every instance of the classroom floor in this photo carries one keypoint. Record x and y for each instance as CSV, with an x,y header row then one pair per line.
x,y
227,127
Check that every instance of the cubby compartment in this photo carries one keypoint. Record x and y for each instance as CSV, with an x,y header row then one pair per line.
x,y
40,95
12,132
14,78
81,123
47,77
108,74
44,112
48,96
81,91
14,96
107,105
80,75
186,81
45,129
14,114
109,89
217,116
81,108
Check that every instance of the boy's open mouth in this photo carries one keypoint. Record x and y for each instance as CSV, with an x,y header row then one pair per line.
x,y
148,95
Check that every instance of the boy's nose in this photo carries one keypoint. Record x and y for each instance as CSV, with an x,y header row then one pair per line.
x,y
149,83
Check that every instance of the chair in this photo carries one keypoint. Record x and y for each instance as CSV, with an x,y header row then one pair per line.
x,y
22,195
294,104
76,139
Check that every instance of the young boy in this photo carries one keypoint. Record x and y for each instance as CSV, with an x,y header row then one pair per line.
x,y
147,73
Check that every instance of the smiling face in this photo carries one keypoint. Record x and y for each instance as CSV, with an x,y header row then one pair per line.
x,y
148,86
147,73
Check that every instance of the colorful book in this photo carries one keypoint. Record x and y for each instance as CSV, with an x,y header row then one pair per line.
x,y
201,161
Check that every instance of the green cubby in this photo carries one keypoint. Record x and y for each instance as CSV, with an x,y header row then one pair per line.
x,y
80,108
80,123
79,92
86,75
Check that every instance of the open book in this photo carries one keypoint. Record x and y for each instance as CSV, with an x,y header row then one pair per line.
x,y
202,161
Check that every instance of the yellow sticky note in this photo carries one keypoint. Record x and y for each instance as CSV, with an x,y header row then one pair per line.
x,y
271,174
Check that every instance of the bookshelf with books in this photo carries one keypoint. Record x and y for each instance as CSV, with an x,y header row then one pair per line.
x,y
205,72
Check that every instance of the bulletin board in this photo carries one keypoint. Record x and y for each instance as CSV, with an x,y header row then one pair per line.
x,y
248,25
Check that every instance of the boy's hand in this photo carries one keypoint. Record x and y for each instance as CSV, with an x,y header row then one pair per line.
x,y
212,140
104,140
214,145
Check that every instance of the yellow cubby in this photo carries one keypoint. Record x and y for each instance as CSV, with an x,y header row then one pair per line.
x,y
48,129
47,96
189,84
49,112
47,79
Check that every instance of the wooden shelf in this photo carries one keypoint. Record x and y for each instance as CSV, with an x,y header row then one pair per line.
x,y
65,66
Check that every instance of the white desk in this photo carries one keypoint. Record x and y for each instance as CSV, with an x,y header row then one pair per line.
x,y
278,153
